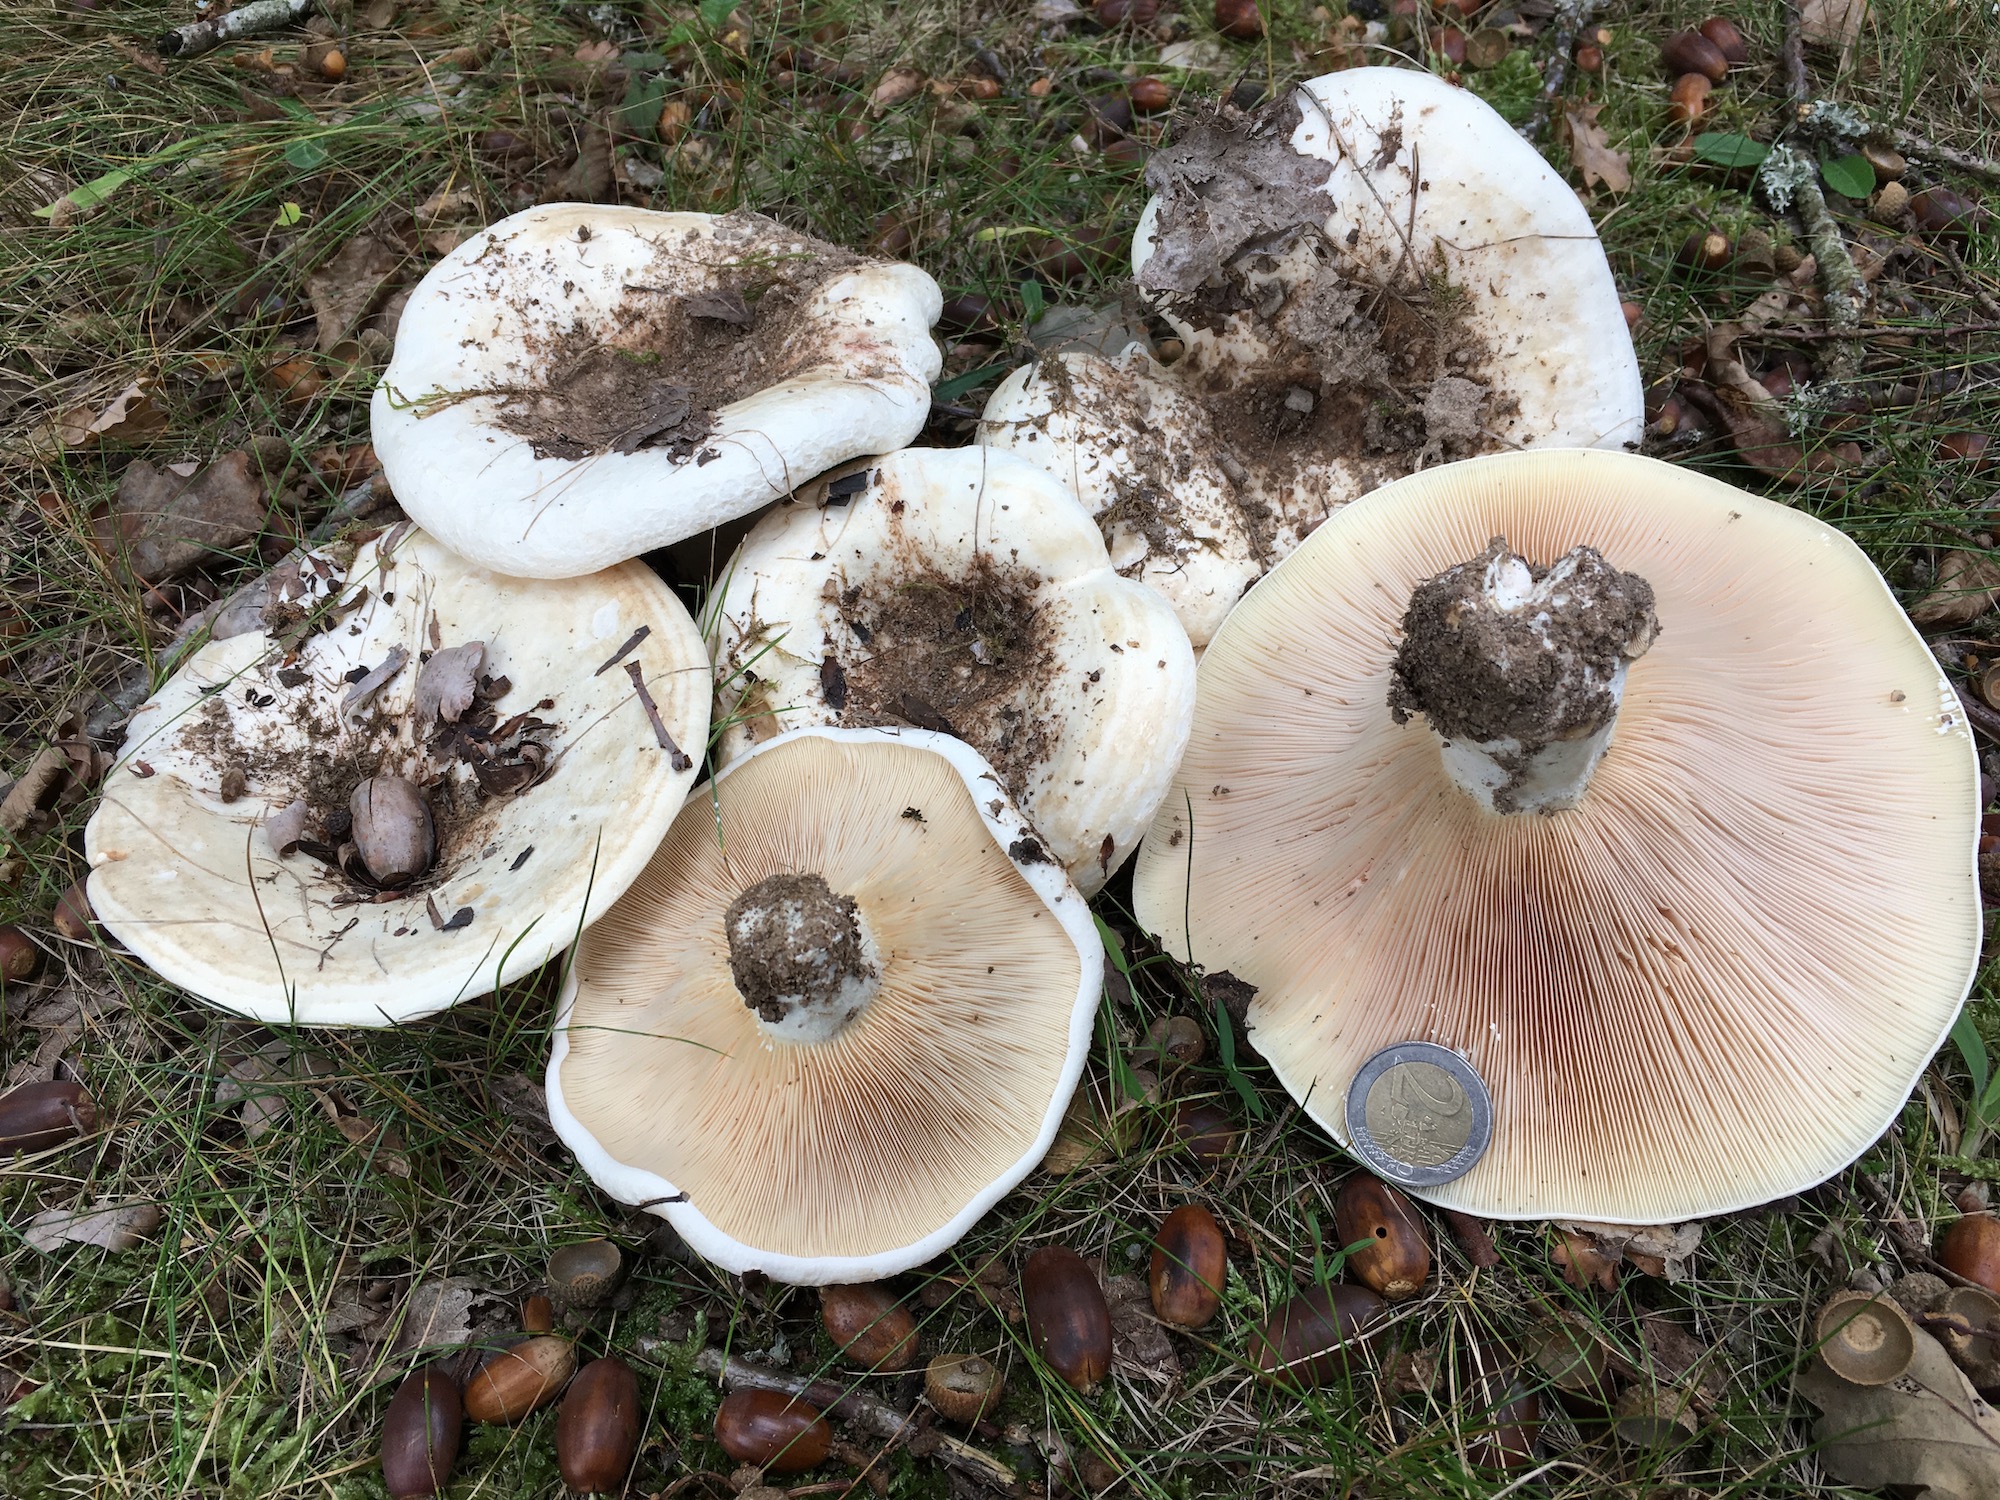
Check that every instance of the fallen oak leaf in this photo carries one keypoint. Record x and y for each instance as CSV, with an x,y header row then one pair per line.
x,y
1968,585
162,523
1591,149
1659,1250
345,290
1925,1431
109,1226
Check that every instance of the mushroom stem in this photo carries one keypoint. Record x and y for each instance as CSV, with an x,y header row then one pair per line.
x,y
801,955
1520,671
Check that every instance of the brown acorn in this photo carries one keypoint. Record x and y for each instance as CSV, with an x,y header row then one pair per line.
x,y
869,1326
19,957
1706,251
1508,1413
1240,19
1397,1257
520,1379
963,1387
1190,1263
586,1274
1175,1042
1974,448
1634,313
1574,1365
1205,1130
971,313
1939,210
538,1315
36,1116
1449,43
1127,12
1319,1336
1067,1315
1149,94
420,1433
1589,57
597,1428
392,829
1726,39
1687,100
73,917
1691,52
780,1434
1971,1248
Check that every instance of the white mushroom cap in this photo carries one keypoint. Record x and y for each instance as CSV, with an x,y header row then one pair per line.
x,y
837,362
183,869
964,589
1422,186
1712,982
852,1157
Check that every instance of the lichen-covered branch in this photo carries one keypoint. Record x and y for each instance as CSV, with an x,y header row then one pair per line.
x,y
1790,179
1570,18
1911,144
254,19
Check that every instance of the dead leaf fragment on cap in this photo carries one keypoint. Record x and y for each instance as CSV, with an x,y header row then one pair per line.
x,y
114,1226
448,682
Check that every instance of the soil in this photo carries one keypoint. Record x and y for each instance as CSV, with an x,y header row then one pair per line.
x,y
792,936
652,371
966,655
1536,675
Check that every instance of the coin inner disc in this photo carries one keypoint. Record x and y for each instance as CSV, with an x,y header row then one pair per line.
x,y
1419,1114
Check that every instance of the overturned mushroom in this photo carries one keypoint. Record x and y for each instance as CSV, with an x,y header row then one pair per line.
x,y
1658,814
579,384
837,1017
1371,275
966,592
297,850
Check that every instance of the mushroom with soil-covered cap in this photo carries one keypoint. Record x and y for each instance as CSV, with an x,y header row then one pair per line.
x,y
838,1016
1658,811
1372,274
413,784
965,591
578,384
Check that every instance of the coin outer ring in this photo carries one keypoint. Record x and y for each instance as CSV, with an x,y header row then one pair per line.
x,y
1362,1141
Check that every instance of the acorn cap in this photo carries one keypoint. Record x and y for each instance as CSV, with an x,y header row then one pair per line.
x,y
1865,1338
845,1152
501,436
183,867
1711,983
964,591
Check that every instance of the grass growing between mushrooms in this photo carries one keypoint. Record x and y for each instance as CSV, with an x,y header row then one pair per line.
x,y
241,1348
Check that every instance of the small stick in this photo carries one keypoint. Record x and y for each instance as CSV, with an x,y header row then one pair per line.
x,y
254,19
625,650
862,1410
1792,54
678,756
1571,17
1878,330
1911,144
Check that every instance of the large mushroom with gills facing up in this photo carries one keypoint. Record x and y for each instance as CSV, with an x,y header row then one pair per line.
x,y
1636,791
964,591
1371,275
408,782
838,1016
578,384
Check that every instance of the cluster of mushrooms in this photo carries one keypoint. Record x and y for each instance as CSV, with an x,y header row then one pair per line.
x,y
1636,791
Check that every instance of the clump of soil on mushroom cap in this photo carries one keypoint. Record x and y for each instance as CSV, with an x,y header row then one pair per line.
x,y
969,656
793,940
655,370
466,770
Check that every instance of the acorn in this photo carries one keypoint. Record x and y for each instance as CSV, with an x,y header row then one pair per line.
x,y
1190,1263
420,1433
1487,48
1575,1366
597,1427
1722,33
519,1379
1687,100
778,1433
36,1116
1397,1258
1971,1248
1705,250
392,829
1205,1130
1634,313
1690,52
1891,202
1067,1315
1149,94
1589,57
73,917
586,1274
1652,1417
1317,1337
1176,1041
1140,13
1973,448
1449,43
1240,19
869,1326
1939,210
963,1387
1508,1412
970,313
19,957
538,1315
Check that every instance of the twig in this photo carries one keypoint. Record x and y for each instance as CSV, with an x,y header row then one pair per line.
x,y
678,756
1982,718
1877,330
1909,143
631,644
1792,55
1570,18
863,1411
260,16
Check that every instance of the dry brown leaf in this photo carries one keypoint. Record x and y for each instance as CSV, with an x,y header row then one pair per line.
x,y
1927,1430
1592,151
132,416
443,1312
109,1226
346,289
1968,585
526,1104
162,523
1832,24
896,86
1139,1341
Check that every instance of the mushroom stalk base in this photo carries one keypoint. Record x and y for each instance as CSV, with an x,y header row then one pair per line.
x,y
1520,670
802,957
